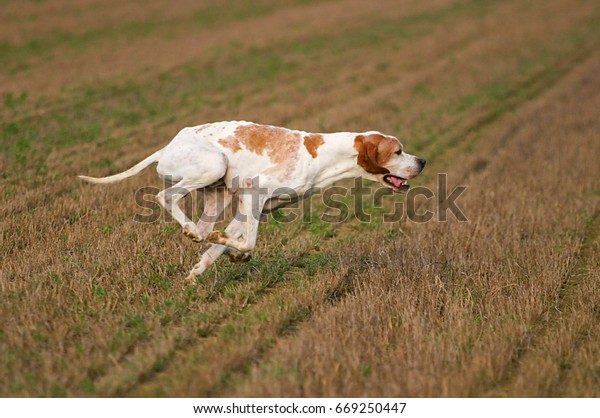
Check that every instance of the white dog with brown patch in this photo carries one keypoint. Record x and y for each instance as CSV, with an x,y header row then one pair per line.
x,y
276,159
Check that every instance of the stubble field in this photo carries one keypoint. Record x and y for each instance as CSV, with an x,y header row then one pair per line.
x,y
503,96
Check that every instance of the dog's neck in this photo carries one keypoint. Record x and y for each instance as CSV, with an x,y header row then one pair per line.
x,y
340,164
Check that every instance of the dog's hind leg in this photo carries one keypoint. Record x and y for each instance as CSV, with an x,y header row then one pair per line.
x,y
170,197
193,168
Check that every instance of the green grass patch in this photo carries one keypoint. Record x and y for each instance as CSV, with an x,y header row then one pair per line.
x,y
313,263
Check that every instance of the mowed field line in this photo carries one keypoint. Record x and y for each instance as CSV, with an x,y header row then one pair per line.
x,y
541,344
576,377
50,51
540,351
205,385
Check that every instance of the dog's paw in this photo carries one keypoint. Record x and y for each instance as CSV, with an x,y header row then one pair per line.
x,y
192,278
192,233
216,237
237,257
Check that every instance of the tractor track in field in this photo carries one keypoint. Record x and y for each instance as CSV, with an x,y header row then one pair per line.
x,y
189,339
585,338
332,296
286,326
556,307
289,324
588,333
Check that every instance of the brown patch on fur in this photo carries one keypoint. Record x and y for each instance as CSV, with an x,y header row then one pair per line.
x,y
312,143
239,257
217,237
374,151
231,142
193,235
281,145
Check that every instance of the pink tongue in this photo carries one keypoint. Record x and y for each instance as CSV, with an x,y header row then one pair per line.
x,y
397,182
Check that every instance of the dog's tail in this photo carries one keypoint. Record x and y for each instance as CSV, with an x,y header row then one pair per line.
x,y
136,169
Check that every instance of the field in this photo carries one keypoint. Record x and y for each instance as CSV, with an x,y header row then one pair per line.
x,y
502,96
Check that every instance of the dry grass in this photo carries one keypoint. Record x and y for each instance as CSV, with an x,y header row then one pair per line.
x,y
507,304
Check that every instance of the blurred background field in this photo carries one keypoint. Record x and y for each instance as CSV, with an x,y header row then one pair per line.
x,y
503,96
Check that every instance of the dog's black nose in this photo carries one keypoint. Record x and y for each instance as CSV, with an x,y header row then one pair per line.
x,y
422,162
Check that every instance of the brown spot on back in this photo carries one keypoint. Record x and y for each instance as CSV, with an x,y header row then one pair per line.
x,y
374,151
231,142
312,143
281,145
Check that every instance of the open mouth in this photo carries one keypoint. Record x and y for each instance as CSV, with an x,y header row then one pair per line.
x,y
398,183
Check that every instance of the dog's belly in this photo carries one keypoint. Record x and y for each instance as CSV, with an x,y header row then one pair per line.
x,y
278,202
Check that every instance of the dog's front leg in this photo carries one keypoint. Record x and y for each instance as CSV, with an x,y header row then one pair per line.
x,y
208,259
234,229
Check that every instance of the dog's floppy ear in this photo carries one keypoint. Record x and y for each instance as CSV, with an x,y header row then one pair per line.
x,y
371,153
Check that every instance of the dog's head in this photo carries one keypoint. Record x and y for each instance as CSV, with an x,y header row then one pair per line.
x,y
382,156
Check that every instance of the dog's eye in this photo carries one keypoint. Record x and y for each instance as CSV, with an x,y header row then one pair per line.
x,y
399,152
